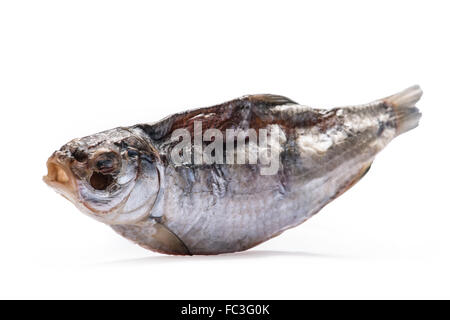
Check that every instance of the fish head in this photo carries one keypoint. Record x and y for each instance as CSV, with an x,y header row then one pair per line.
x,y
113,176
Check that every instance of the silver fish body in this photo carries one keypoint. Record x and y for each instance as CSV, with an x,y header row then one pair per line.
x,y
128,178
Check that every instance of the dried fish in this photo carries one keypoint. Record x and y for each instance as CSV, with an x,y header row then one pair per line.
x,y
228,177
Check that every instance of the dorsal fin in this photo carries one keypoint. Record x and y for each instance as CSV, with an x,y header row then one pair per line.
x,y
222,116
269,99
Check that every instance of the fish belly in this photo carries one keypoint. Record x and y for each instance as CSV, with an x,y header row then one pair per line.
x,y
250,208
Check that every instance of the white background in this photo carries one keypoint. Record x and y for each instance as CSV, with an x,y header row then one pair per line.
x,y
72,68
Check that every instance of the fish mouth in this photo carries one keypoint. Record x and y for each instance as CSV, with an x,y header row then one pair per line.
x,y
60,177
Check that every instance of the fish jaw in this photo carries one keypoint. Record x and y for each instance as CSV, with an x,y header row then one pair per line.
x,y
60,177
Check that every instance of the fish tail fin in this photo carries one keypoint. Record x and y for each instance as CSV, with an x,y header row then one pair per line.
x,y
406,115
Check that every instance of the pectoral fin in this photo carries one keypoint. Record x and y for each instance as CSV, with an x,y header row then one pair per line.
x,y
169,239
155,236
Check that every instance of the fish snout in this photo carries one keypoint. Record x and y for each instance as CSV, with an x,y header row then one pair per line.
x,y
59,174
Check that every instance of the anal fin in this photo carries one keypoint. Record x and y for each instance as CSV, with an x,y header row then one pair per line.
x,y
361,173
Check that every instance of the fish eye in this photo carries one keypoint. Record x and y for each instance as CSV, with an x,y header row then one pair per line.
x,y
104,166
132,153
106,163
